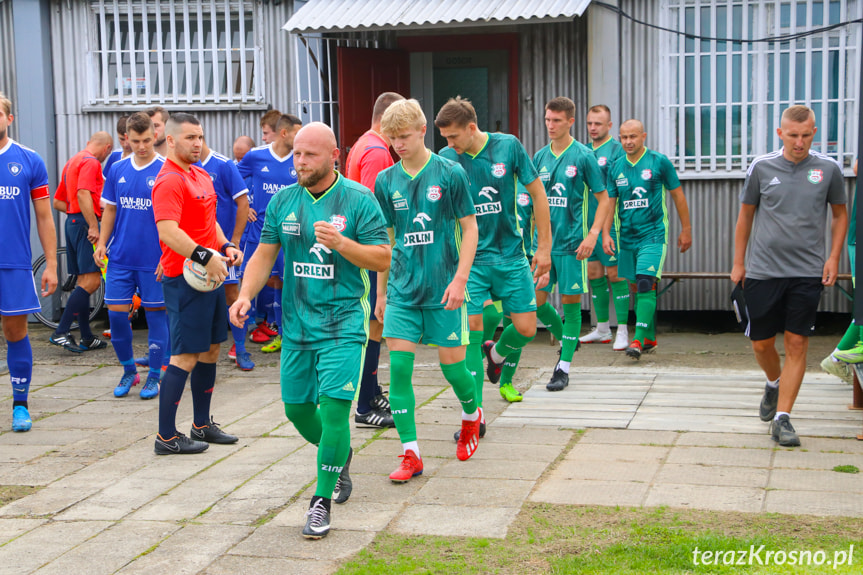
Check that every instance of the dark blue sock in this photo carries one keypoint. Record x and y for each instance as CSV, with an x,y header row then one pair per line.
x,y
19,358
73,304
277,308
121,339
239,335
173,383
84,314
203,381
157,323
369,383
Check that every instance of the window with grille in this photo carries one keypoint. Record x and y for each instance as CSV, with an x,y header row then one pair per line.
x,y
204,52
723,100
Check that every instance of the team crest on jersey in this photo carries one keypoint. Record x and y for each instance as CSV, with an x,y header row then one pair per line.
x,y
151,181
293,173
646,174
433,193
498,170
523,199
815,176
15,168
339,222
571,171
602,160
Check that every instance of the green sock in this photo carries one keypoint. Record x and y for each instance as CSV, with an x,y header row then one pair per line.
x,y
645,311
550,319
462,384
620,290
511,341
335,444
599,296
490,320
402,400
474,363
306,419
851,337
571,329
510,364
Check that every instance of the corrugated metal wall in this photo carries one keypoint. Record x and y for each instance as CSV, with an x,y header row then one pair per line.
x,y
69,22
639,50
7,62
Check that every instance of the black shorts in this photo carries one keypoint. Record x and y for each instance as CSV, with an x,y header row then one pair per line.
x,y
196,320
781,304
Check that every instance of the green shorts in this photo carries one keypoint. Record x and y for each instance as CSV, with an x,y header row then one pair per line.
x,y
644,260
511,283
435,326
333,371
569,274
599,254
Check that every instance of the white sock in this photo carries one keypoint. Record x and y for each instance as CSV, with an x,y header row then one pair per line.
x,y
470,416
498,358
833,357
778,413
603,327
413,446
773,384
622,329
563,366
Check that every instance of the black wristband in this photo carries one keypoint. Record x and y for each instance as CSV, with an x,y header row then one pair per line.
x,y
227,245
201,255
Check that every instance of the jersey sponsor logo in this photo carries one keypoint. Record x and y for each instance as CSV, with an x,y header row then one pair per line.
x,y
489,208
639,191
433,193
317,249
774,182
122,180
400,204
571,171
634,204
498,170
339,222
815,176
9,192
15,168
621,181
291,228
602,160
555,202
523,199
646,174
418,238
558,189
271,188
544,177
151,181
315,271
488,193
421,219
265,169
135,203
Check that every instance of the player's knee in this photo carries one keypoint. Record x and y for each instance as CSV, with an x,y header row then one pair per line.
x,y
763,346
612,274
795,344
644,283
527,329
14,327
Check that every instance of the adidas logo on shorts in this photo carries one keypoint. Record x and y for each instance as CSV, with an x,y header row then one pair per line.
x,y
349,387
453,337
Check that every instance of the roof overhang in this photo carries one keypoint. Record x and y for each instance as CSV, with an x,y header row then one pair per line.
x,y
374,15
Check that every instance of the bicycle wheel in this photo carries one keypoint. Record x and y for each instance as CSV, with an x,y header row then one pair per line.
x,y
54,304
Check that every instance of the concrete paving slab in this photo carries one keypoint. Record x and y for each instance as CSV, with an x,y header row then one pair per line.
x,y
42,471
497,450
566,491
382,465
628,453
699,439
232,565
44,544
37,436
12,528
22,453
277,541
714,497
470,492
449,521
731,456
643,471
494,469
813,503
627,437
821,481
798,459
352,515
718,475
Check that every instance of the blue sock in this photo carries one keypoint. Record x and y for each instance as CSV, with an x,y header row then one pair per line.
x,y
170,393
157,322
277,308
78,298
19,358
239,334
203,381
121,339
369,383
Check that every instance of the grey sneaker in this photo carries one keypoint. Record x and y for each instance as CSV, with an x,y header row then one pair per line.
x,y
783,432
318,519
559,380
838,368
344,485
768,403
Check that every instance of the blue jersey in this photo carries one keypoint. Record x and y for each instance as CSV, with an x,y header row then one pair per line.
x,y
134,242
115,157
229,186
265,173
22,177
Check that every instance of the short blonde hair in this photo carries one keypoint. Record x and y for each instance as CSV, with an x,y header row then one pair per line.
x,y
402,115
6,104
798,114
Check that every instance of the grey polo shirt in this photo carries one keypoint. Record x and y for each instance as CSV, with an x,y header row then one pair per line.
x,y
790,227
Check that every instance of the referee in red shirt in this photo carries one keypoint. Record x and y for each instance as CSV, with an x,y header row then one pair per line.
x,y
184,204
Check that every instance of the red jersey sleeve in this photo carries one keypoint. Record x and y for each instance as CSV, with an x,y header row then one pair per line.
x,y
168,197
373,161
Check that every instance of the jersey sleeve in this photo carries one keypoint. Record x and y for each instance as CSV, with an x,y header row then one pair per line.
x,y
462,202
836,192
109,192
372,162
380,191
237,184
371,229
168,197
751,192
669,174
524,167
90,176
38,179
593,174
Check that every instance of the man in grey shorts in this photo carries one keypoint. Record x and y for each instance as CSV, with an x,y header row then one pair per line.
x,y
786,194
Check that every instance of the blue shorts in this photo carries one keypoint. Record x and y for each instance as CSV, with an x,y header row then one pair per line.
x,y
278,267
120,284
233,276
196,319
79,250
373,294
18,294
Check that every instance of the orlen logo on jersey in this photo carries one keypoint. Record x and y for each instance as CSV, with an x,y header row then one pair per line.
x,y
9,192
641,202
571,171
492,207
15,168
433,193
418,238
557,201
339,222
498,170
421,219
317,271
523,199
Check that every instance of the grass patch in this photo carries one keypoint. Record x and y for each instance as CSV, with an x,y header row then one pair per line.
x,y
9,493
562,539
846,469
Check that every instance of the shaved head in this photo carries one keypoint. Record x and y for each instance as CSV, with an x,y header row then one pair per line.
x,y
317,133
315,155
632,138
100,145
241,147
632,125
101,138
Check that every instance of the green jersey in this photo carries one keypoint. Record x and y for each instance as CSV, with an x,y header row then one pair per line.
x,y
640,192
852,222
423,211
524,208
568,179
606,155
324,297
493,173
